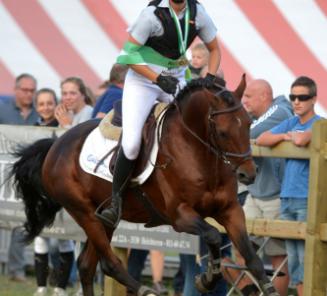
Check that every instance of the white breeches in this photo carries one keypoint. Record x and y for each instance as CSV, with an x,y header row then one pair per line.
x,y
139,96
41,245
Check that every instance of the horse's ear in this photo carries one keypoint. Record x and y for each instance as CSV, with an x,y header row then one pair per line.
x,y
238,92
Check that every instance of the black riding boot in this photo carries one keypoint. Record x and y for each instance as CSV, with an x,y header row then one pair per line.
x,y
111,215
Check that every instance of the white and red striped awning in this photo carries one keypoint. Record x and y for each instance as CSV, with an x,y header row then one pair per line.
x,y
277,40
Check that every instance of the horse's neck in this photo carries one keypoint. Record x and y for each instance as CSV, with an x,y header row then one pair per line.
x,y
187,136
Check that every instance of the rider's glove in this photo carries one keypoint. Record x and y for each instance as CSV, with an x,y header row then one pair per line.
x,y
209,80
167,83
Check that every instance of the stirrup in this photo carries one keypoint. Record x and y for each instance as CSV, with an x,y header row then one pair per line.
x,y
107,222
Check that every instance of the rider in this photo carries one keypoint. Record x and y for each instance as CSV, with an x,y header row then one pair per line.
x,y
155,52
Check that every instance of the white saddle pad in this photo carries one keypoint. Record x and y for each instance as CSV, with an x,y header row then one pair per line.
x,y
96,147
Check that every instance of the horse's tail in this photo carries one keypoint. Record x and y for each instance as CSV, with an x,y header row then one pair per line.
x,y
40,209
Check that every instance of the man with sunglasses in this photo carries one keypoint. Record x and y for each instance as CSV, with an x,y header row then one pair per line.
x,y
294,191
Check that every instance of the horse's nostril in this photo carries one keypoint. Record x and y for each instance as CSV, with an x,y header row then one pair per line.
x,y
245,179
242,176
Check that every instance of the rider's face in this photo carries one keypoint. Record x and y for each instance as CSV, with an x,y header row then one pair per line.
x,y
178,1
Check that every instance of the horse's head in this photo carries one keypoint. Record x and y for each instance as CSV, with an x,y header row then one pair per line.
x,y
228,128
225,127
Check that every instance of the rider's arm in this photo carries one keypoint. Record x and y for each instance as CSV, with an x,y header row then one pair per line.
x,y
214,56
143,70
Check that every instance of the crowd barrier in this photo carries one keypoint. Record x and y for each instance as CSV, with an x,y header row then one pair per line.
x,y
135,235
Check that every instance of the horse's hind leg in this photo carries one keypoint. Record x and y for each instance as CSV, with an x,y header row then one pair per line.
x,y
87,263
189,221
234,222
110,264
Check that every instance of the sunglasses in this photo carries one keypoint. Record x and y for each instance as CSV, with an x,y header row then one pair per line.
x,y
301,98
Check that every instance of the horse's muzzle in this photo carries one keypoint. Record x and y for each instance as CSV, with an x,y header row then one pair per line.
x,y
246,174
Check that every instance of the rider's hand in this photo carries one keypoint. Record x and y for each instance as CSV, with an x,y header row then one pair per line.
x,y
167,83
209,80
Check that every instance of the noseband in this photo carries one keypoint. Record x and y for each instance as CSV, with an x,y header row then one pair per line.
x,y
224,155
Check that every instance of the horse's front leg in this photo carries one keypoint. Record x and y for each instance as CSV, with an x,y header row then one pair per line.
x,y
191,222
234,222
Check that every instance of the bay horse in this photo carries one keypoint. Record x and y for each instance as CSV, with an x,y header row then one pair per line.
x,y
204,149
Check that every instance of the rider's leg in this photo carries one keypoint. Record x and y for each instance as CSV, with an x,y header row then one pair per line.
x,y
138,99
123,171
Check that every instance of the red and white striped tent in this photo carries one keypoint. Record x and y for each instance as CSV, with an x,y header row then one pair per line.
x,y
277,40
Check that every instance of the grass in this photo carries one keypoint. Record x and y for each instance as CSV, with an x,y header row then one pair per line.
x,y
10,288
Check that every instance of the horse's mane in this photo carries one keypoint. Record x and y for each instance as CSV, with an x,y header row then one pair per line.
x,y
197,84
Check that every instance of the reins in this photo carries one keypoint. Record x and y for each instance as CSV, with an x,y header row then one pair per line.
x,y
224,155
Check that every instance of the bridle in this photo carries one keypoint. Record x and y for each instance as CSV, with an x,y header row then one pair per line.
x,y
224,155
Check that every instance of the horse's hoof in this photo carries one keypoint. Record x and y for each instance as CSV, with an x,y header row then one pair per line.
x,y
199,284
270,290
146,291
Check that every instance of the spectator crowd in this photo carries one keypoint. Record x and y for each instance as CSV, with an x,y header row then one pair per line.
x,y
280,190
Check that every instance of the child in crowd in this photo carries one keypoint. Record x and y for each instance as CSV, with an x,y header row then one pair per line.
x,y
200,58
45,105
295,185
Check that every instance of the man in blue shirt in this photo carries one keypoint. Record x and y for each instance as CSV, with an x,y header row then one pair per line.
x,y
294,190
20,111
113,93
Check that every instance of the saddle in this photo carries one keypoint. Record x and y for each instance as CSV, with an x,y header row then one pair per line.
x,y
110,128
